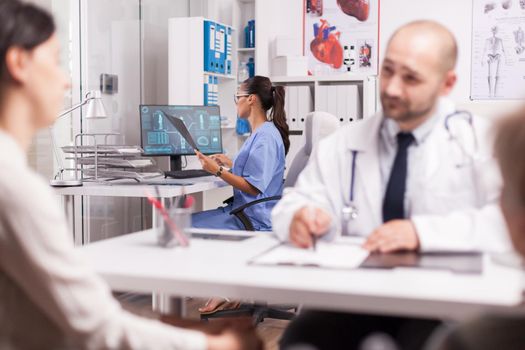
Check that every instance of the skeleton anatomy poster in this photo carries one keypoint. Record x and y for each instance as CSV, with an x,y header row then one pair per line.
x,y
498,49
341,36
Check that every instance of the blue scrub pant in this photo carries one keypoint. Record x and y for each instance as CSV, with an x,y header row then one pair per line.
x,y
219,218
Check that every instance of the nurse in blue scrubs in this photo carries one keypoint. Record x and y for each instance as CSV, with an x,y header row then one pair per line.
x,y
258,170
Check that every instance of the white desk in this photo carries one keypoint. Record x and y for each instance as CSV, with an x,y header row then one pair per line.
x,y
207,268
129,188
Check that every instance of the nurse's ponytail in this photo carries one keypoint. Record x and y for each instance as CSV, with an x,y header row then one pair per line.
x,y
271,97
279,116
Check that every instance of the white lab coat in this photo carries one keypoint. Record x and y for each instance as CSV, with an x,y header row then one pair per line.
x,y
453,208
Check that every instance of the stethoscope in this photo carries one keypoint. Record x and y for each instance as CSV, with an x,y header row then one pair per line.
x,y
350,212
468,157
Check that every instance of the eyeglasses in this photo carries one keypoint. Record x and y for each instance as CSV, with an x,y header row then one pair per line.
x,y
236,97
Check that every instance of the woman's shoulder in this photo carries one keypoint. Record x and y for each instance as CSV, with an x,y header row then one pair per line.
x,y
268,131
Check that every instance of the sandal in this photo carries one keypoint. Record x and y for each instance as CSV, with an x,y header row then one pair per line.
x,y
222,304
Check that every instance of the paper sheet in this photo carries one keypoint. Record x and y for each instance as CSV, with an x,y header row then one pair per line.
x,y
326,255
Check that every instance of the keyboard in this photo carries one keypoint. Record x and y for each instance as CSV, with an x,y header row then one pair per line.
x,y
186,174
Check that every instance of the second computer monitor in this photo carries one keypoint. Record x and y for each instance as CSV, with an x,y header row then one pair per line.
x,y
160,137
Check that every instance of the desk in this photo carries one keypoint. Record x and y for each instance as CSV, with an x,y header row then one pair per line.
x,y
127,189
211,267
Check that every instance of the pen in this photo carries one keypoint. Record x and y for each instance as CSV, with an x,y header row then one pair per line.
x,y
165,216
313,215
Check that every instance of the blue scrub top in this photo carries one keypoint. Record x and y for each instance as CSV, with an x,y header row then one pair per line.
x,y
261,161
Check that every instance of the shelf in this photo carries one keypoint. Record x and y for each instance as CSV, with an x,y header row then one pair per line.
x,y
297,79
246,49
221,76
227,127
322,79
344,77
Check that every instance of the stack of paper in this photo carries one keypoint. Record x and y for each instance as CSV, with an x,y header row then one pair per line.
x,y
137,162
107,149
327,255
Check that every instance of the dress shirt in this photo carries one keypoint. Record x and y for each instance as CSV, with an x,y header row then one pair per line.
x,y
416,151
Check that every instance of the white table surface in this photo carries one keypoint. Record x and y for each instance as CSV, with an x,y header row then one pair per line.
x,y
209,267
130,188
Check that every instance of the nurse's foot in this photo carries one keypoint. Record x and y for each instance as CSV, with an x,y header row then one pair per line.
x,y
218,304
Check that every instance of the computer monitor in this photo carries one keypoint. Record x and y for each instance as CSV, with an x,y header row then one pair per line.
x,y
159,137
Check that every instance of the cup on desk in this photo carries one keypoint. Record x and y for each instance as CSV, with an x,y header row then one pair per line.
x,y
177,232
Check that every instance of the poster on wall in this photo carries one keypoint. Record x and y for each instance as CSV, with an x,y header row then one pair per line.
x,y
498,49
341,36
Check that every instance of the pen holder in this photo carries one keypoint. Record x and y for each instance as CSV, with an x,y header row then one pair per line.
x,y
174,232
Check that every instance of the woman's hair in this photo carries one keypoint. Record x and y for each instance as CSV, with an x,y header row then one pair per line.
x,y
271,97
23,25
510,142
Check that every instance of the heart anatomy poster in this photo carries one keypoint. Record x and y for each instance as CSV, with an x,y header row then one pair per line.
x,y
498,49
341,36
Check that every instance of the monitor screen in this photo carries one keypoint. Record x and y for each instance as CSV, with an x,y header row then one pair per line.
x,y
159,137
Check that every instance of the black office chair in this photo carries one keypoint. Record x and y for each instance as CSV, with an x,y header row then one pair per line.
x,y
258,312
239,212
317,126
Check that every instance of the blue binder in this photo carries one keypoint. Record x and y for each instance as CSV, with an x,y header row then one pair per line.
x,y
216,54
209,46
220,48
206,91
215,90
229,48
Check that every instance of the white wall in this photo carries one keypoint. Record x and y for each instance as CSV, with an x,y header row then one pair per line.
x,y
275,18
155,15
457,16
454,14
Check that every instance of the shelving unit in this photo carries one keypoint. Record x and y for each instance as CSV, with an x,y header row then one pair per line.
x,y
243,11
366,92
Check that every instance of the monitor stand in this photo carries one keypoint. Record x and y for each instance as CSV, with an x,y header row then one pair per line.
x,y
175,163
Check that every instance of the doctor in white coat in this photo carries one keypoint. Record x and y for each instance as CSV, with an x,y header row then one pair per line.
x,y
416,176
452,183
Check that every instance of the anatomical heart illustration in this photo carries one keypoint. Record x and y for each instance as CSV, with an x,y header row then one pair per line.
x,y
341,36
326,46
359,9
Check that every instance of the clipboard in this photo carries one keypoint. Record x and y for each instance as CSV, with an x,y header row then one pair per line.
x,y
464,262
460,262
182,129
337,256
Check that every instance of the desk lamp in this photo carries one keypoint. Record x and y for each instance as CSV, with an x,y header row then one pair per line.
x,y
95,110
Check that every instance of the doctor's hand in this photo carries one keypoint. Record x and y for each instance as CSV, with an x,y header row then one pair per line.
x,y
308,223
223,160
208,163
393,236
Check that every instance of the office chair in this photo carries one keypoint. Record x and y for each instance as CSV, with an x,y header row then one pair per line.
x,y
317,126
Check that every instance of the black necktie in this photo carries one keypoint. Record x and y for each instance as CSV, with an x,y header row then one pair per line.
x,y
393,204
